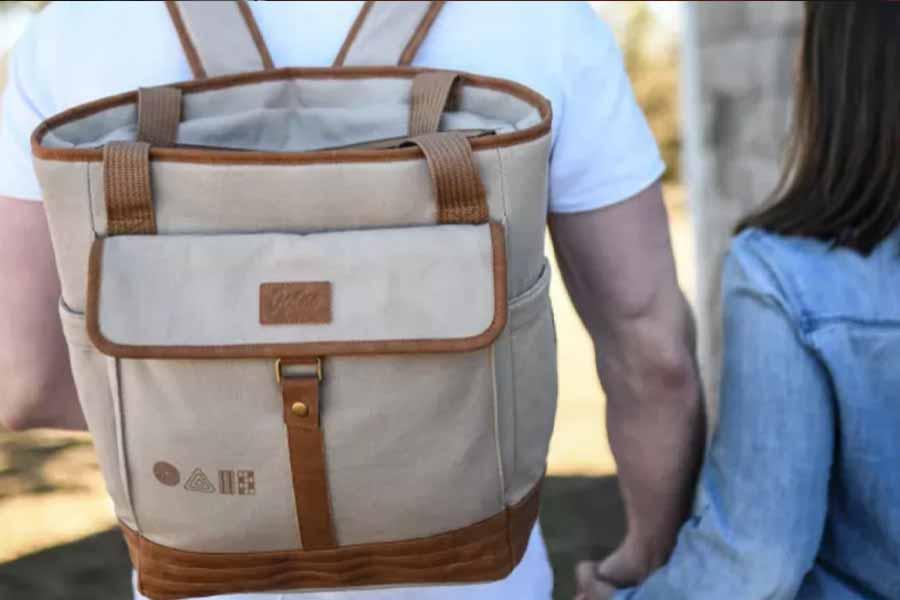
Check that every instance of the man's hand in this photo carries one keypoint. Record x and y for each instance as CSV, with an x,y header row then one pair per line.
x,y
590,586
36,386
618,267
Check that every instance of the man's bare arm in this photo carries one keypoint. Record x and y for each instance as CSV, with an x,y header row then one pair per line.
x,y
618,267
36,386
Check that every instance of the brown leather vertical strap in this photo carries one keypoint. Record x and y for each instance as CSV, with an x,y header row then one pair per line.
x,y
428,100
388,32
219,37
159,114
306,446
126,186
457,183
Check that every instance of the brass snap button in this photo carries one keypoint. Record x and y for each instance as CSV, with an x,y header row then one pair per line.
x,y
300,409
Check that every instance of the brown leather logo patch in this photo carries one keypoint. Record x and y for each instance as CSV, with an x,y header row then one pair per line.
x,y
293,303
166,473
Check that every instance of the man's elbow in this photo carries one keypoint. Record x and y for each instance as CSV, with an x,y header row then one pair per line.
x,y
656,353
669,364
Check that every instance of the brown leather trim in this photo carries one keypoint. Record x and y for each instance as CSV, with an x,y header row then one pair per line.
x,y
412,47
305,349
485,551
352,33
190,51
306,449
258,40
230,157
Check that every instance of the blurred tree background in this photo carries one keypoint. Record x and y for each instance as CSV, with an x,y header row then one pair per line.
x,y
648,34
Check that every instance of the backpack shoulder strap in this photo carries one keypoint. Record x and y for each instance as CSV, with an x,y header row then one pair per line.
x,y
219,37
388,32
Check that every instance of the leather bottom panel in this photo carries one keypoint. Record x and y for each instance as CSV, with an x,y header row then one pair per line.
x,y
485,551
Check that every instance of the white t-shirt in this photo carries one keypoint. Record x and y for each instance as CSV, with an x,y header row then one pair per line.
x,y
603,151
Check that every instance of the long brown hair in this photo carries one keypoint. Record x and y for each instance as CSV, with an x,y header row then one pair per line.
x,y
841,178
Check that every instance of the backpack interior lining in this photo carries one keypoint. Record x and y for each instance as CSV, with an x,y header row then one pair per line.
x,y
298,115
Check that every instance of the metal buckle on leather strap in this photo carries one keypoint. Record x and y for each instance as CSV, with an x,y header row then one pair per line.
x,y
300,381
298,368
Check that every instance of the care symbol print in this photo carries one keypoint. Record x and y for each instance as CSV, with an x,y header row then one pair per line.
x,y
199,482
246,483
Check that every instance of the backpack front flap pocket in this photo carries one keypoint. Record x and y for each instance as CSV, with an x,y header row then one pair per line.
x,y
285,391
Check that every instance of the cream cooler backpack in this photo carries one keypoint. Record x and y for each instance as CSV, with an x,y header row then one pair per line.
x,y
307,310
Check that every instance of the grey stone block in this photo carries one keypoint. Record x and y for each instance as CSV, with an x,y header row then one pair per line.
x,y
718,21
773,17
747,64
746,179
765,129
746,55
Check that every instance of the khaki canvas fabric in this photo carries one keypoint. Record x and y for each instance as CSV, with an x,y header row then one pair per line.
x,y
420,283
301,114
219,37
416,436
387,33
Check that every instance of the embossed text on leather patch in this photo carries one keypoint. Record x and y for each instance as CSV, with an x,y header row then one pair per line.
x,y
292,303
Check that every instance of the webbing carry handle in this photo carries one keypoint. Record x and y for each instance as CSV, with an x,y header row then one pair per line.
x,y
222,36
456,182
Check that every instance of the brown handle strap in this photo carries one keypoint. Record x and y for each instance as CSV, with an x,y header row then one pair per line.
x,y
388,32
159,113
219,37
457,183
126,188
306,448
428,100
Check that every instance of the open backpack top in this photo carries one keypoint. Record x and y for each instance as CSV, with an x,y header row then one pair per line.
x,y
307,310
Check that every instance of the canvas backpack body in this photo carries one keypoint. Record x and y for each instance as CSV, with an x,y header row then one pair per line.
x,y
307,310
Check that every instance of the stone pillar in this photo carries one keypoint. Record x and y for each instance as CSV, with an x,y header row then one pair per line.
x,y
738,65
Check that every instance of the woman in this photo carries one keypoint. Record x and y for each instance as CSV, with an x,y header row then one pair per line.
x,y
800,493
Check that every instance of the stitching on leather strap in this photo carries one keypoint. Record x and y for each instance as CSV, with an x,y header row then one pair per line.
x,y
457,183
159,114
126,183
428,100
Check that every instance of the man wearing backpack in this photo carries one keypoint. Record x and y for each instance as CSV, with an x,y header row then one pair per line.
x,y
606,218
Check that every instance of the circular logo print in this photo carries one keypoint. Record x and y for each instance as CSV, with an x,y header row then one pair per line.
x,y
166,473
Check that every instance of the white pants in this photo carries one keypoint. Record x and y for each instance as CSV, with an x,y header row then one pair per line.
x,y
532,579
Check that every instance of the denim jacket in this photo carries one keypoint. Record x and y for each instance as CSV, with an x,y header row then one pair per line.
x,y
799,496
